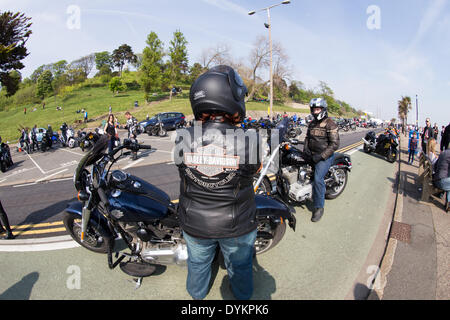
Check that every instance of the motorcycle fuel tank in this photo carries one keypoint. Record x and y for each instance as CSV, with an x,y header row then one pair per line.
x,y
136,200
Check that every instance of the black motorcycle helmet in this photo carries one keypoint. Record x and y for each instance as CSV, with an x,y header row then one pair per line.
x,y
220,89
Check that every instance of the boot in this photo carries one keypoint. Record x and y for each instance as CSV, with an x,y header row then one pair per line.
x,y
317,214
9,236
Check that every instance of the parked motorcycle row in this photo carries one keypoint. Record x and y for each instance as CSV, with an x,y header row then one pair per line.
x,y
385,145
116,204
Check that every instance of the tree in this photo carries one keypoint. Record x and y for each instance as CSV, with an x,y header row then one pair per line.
x,y
220,54
85,64
195,71
14,33
151,65
44,84
178,65
404,105
11,82
116,85
122,55
103,60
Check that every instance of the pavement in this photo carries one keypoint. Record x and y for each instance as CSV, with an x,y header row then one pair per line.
x,y
376,241
416,263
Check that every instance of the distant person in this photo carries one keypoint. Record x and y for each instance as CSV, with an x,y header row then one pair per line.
x,y
413,144
441,178
111,130
435,131
431,152
445,140
110,109
85,116
5,224
427,134
24,110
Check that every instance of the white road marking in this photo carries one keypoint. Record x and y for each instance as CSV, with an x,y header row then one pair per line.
x,y
132,164
50,175
24,185
43,172
79,154
64,179
354,150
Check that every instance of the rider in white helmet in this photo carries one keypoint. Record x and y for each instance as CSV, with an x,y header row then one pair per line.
x,y
322,140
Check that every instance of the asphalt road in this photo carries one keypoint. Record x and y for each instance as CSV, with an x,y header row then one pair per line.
x,y
36,209
317,261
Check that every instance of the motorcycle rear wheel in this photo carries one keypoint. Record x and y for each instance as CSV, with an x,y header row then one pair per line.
x,y
366,148
334,192
96,238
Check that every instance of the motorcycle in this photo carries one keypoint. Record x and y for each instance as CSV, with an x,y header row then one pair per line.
x,y
117,203
385,145
69,139
5,157
157,129
87,140
295,174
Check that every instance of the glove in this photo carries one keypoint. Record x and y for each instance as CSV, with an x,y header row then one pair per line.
x,y
316,158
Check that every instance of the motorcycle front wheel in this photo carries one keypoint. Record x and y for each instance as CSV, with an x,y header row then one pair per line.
x,y
162,133
3,166
96,238
392,156
269,235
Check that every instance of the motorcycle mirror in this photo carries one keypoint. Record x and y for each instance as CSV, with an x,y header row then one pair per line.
x,y
295,141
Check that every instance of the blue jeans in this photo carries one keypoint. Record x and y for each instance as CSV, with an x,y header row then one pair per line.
x,y
319,188
238,256
111,144
444,184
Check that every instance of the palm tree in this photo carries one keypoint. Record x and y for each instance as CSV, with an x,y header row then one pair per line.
x,y
404,105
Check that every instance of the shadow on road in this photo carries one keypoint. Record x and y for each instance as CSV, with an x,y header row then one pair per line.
x,y
22,289
263,284
44,214
362,292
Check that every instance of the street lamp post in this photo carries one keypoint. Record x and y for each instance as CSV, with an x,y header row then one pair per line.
x,y
417,113
269,26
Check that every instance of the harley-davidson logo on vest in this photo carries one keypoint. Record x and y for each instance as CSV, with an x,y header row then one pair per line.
x,y
211,160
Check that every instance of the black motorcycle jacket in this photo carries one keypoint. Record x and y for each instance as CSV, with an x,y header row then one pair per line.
x,y
322,138
216,168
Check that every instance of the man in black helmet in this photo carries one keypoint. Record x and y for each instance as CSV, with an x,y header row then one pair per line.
x,y
322,140
217,201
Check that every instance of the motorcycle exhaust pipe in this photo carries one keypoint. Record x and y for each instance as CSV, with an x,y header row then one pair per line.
x,y
365,141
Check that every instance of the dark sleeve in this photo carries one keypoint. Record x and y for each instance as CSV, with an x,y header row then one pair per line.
x,y
306,146
333,140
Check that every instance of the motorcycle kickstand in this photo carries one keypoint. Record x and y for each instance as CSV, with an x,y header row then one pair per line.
x,y
137,282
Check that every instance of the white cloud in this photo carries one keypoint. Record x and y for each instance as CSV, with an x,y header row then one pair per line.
x,y
227,6
431,15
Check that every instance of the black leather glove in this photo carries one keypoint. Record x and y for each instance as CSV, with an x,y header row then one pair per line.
x,y
317,158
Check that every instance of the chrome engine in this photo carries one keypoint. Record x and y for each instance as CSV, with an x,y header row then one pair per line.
x,y
166,253
155,250
299,183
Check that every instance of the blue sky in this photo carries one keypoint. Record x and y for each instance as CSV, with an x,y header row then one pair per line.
x,y
325,40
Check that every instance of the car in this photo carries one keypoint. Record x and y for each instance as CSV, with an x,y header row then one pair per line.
x,y
170,120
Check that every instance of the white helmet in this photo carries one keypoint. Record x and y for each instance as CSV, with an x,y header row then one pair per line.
x,y
319,103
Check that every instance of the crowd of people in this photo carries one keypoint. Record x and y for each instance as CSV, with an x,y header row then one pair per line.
x,y
437,153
